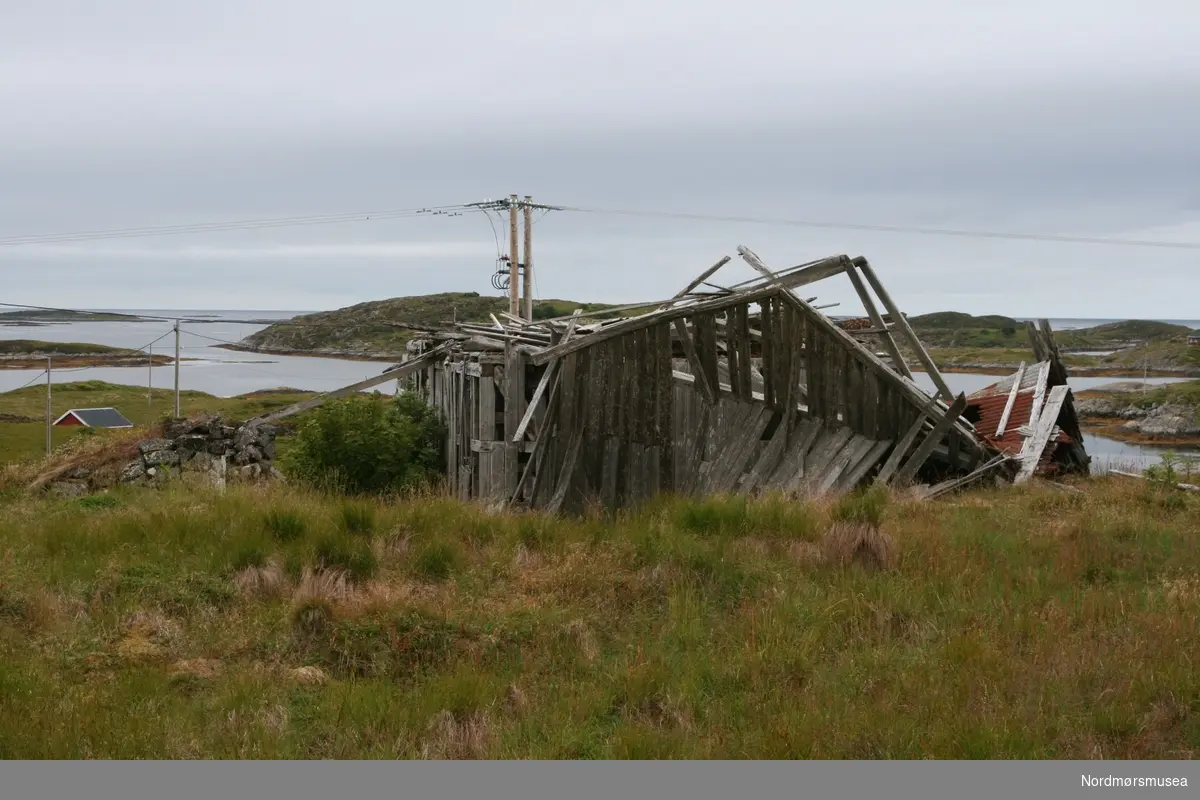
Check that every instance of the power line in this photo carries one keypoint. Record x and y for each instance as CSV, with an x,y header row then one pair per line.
x,y
32,381
797,223
209,227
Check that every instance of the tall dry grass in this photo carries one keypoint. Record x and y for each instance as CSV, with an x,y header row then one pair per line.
x,y
1016,623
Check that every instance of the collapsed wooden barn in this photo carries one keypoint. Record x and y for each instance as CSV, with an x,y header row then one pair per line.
x,y
745,388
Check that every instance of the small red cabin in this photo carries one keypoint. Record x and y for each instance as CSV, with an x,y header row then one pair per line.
x,y
94,418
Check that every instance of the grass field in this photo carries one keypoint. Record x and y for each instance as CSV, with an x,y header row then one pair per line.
x,y
1018,623
20,441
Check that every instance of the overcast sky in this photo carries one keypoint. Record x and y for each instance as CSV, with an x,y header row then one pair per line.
x,y
1060,117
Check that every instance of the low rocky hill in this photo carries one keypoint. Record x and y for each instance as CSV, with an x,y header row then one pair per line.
x,y
376,329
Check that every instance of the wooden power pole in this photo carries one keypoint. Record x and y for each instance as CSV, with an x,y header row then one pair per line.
x,y
514,288
528,208
176,369
49,417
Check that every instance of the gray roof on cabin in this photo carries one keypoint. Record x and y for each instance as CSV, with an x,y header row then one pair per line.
x,y
100,417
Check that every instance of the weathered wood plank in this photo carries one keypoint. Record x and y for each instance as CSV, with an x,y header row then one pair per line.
x,y
664,439
733,354
704,276
854,475
705,326
514,410
850,454
791,466
900,451
567,474
707,389
635,323
907,472
741,319
906,330
608,481
396,373
768,459
885,335
744,436
1039,394
1012,399
1035,445
544,383
770,351
823,454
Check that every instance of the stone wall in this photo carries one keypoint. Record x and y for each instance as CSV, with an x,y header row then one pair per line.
x,y
209,448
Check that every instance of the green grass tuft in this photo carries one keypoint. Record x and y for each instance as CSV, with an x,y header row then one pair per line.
x,y
354,556
437,560
358,518
285,526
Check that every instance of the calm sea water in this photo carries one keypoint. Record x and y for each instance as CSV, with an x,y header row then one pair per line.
x,y
226,373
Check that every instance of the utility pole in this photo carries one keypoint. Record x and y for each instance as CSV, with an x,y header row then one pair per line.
x,y
514,288
176,369
150,383
49,417
528,208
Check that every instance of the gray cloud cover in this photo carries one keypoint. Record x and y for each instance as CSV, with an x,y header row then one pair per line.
x,y
1060,117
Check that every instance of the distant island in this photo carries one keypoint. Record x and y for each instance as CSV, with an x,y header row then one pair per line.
x,y
996,345
32,354
379,329
38,316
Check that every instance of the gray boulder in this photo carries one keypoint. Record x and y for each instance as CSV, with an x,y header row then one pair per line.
x,y
192,442
133,471
69,488
156,458
154,445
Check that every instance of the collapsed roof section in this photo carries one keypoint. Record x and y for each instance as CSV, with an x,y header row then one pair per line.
x,y
741,388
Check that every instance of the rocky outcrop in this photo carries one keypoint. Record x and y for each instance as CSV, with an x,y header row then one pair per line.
x,y
1159,421
1166,422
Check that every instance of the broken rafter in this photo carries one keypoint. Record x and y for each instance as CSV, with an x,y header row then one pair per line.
x,y
394,373
704,276
646,320
1035,445
1012,399
905,329
907,472
550,374
881,327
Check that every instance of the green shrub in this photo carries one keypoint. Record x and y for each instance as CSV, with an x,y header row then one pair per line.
x,y
284,526
366,444
355,556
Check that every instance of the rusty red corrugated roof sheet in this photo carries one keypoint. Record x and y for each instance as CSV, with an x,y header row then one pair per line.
x,y
991,409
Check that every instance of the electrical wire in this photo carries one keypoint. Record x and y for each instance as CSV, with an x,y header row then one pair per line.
x,y
31,382
251,224
799,223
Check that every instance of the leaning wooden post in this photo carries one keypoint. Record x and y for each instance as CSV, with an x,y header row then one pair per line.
x,y
514,410
943,426
905,329
889,343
